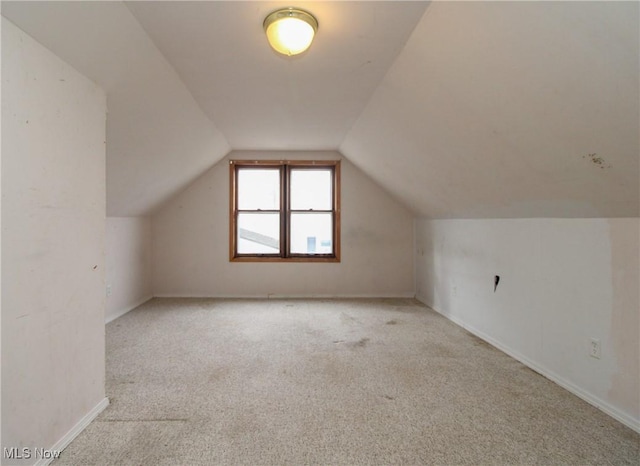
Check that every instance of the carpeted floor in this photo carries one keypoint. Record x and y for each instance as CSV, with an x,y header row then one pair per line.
x,y
292,382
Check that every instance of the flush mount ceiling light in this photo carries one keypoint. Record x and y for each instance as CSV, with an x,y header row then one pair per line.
x,y
290,30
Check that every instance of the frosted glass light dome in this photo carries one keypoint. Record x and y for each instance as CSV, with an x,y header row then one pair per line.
x,y
290,31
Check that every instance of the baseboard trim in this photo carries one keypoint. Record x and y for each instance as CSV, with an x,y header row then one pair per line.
x,y
122,312
75,431
405,295
567,385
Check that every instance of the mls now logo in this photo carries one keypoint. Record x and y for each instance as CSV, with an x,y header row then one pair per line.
x,y
27,453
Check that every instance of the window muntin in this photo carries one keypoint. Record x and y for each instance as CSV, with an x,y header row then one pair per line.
x,y
284,211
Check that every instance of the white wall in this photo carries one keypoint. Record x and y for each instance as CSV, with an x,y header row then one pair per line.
x,y
563,282
128,255
53,218
191,243
159,138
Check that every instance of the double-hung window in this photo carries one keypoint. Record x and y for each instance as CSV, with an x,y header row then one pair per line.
x,y
284,211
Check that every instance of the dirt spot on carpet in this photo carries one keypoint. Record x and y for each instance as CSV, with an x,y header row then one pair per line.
x,y
392,322
218,373
477,341
361,343
348,320
442,351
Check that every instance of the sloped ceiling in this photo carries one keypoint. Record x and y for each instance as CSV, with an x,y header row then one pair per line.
x,y
158,138
263,100
459,109
510,109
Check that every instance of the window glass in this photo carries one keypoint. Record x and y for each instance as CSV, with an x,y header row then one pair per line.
x,y
258,233
258,189
311,233
310,189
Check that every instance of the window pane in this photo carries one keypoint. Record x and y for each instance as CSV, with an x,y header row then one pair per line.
x,y
310,189
258,233
311,234
258,189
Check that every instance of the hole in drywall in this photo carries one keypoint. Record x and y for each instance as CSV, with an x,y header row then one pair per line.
x,y
496,280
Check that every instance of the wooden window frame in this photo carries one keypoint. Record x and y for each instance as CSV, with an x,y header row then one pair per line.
x,y
285,167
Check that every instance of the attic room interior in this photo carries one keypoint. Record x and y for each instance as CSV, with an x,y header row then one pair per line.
x,y
415,242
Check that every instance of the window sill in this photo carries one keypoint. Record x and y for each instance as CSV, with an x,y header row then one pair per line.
x,y
283,259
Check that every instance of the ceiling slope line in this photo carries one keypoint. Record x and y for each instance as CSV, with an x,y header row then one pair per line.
x,y
383,77
158,137
177,73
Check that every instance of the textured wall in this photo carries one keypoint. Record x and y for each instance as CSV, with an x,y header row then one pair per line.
x,y
562,282
128,255
159,138
191,243
53,219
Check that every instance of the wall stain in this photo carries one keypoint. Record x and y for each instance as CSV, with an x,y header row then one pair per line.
x,y
597,160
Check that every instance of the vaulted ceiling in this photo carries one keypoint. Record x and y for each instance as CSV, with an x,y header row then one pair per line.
x,y
458,109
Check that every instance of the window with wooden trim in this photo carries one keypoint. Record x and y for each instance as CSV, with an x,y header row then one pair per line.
x,y
284,211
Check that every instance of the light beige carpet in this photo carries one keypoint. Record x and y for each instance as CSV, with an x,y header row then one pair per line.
x,y
292,382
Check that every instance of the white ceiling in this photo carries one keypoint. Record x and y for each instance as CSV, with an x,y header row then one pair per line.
x,y
492,110
158,139
459,109
262,100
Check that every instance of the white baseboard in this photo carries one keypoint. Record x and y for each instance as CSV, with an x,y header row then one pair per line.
x,y
122,312
75,431
403,295
593,400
